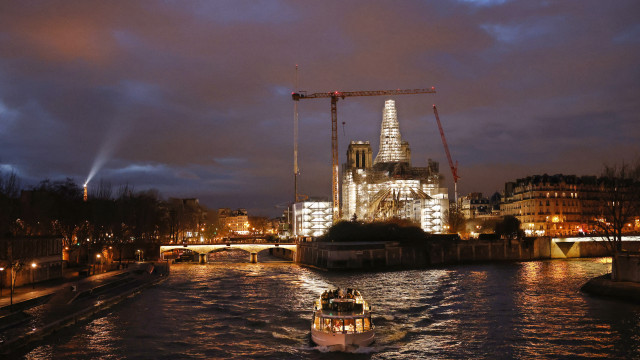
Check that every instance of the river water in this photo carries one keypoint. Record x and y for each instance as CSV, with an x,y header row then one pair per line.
x,y
231,309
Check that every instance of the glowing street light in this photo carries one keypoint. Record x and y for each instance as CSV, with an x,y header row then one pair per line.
x,y
33,266
94,263
1,279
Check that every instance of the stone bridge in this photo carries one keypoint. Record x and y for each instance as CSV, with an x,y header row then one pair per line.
x,y
252,248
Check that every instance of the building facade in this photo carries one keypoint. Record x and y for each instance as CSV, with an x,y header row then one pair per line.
x,y
552,205
474,205
389,186
311,218
236,221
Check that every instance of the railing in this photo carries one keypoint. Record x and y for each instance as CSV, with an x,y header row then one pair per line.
x,y
229,241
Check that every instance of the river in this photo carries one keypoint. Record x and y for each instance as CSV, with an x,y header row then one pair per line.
x,y
231,309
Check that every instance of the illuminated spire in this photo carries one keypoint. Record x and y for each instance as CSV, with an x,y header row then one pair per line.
x,y
391,149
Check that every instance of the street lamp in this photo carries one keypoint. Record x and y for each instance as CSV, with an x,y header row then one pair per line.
x,y
33,266
1,279
97,259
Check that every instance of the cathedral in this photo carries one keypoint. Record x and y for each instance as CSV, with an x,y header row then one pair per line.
x,y
389,186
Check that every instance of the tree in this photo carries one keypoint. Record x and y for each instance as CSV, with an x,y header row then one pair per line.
x,y
16,258
68,210
455,219
176,219
15,266
388,230
259,224
9,205
185,216
617,205
509,228
53,208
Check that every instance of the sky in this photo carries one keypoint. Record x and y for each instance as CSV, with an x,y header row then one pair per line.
x,y
193,98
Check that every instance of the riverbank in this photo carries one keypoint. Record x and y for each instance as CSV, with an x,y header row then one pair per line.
x,y
394,255
49,311
605,287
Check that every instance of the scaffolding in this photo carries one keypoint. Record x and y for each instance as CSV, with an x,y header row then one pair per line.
x,y
312,218
391,144
391,187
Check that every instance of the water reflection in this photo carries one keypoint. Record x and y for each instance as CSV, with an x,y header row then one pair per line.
x,y
241,310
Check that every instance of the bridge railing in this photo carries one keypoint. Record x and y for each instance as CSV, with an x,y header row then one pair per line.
x,y
235,241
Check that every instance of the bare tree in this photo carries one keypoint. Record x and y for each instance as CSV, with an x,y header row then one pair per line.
x,y
9,185
16,262
104,190
617,205
9,205
67,209
455,219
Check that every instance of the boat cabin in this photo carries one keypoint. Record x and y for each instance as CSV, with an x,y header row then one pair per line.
x,y
342,325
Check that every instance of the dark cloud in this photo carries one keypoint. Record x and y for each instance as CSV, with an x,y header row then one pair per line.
x,y
193,97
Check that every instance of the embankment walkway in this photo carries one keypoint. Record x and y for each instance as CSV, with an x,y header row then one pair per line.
x,y
49,307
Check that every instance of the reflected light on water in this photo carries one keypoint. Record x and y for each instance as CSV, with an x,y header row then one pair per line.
x,y
101,339
604,260
484,311
551,315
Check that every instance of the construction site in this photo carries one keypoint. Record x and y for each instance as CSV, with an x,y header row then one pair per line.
x,y
374,189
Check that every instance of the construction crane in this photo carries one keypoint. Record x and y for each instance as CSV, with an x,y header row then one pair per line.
x,y
296,170
454,169
334,96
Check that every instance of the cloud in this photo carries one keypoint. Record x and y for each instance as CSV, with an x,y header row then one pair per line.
x,y
193,98
485,2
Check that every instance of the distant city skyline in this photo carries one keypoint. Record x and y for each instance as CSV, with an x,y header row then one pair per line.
x,y
193,98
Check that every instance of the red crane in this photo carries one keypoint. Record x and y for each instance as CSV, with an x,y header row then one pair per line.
x,y
454,169
335,95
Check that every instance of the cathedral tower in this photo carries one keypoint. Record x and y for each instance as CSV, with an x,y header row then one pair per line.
x,y
359,155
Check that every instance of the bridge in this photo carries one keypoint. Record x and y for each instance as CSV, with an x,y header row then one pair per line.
x,y
252,248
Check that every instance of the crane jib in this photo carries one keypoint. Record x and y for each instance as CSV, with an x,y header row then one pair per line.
x,y
342,94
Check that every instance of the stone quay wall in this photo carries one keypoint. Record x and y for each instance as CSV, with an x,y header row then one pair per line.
x,y
629,266
395,254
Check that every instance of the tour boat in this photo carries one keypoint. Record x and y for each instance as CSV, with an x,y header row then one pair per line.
x,y
342,318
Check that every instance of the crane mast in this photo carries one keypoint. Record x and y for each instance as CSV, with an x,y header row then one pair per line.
x,y
454,169
296,171
335,96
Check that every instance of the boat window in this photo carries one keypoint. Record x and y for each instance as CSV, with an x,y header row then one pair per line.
x,y
367,324
359,325
326,327
349,326
316,322
337,325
